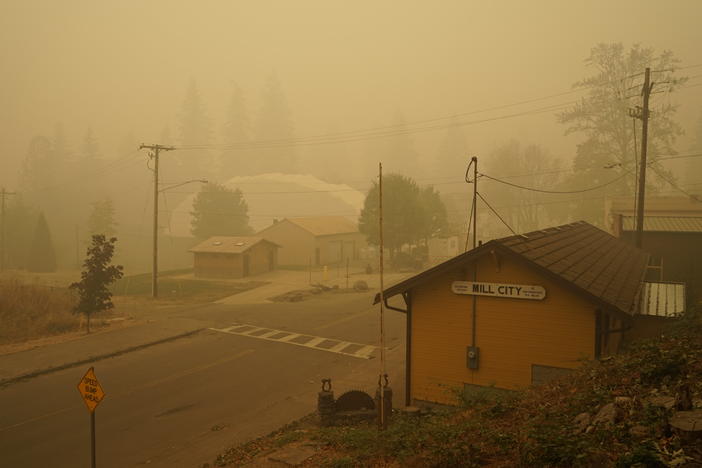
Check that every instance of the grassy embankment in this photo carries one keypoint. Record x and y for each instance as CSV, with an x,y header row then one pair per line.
x,y
533,427
178,285
40,305
34,310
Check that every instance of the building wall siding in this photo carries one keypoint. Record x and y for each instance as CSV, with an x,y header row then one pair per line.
x,y
512,334
336,248
296,244
299,247
221,265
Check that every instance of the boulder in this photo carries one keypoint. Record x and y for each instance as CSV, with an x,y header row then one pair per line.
x,y
581,421
609,414
662,401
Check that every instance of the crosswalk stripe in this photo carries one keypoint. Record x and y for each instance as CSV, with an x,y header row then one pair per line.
x,y
314,342
362,351
291,336
366,351
339,347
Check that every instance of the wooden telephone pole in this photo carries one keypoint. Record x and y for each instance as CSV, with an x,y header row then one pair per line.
x,y
155,149
642,113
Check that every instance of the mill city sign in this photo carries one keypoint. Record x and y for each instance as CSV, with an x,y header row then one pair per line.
x,y
514,291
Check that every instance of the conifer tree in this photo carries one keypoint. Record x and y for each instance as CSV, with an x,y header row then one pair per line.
x,y
274,124
41,257
194,130
102,218
236,135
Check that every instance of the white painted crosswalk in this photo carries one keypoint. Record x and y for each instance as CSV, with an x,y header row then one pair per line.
x,y
319,343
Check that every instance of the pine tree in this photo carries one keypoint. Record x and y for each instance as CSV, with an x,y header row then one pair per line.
x,y
194,130
452,155
400,155
38,170
102,218
274,124
219,211
236,135
41,257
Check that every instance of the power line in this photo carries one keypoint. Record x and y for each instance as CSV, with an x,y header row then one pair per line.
x,y
532,189
674,185
314,141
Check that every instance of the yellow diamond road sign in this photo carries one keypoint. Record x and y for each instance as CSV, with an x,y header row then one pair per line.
x,y
90,390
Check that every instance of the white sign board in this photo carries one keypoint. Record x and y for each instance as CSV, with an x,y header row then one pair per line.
x,y
514,291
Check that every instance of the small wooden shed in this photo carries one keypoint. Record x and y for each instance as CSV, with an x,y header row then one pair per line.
x,y
234,257
517,311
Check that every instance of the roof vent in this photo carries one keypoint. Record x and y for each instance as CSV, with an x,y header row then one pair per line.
x,y
239,244
217,243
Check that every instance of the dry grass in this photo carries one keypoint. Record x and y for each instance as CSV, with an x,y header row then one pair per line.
x,y
30,310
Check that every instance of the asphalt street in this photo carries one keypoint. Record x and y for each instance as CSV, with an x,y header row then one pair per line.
x,y
180,403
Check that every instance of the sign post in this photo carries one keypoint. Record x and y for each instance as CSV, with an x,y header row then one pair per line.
x,y
92,394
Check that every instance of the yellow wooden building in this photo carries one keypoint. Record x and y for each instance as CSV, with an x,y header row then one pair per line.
x,y
518,311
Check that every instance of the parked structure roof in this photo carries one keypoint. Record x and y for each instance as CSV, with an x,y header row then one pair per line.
x,y
228,244
665,223
325,225
663,299
584,258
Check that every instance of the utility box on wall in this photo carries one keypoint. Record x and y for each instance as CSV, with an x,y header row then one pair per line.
x,y
473,356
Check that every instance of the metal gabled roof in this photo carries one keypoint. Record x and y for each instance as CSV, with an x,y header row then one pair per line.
x,y
584,258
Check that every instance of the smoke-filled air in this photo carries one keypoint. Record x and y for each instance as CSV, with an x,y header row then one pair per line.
x,y
359,174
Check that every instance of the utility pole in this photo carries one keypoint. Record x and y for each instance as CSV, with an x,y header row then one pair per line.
x,y
3,194
643,114
155,149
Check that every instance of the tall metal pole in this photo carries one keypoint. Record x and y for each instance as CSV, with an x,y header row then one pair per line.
x,y
382,299
646,92
92,439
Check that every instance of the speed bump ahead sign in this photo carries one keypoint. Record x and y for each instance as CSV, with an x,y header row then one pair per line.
x,y
90,389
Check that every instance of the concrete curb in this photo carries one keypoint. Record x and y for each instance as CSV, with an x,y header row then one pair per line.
x,y
49,370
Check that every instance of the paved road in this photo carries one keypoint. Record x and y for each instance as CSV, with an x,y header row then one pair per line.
x,y
181,403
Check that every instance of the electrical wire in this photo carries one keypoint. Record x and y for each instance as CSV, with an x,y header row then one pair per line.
x,y
531,189
675,186
324,140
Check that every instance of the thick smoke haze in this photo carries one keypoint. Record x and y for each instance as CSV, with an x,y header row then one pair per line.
x,y
130,72
122,68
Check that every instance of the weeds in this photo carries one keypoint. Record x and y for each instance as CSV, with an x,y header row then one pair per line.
x,y
31,311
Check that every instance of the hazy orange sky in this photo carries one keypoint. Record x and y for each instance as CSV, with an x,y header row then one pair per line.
x,y
123,66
